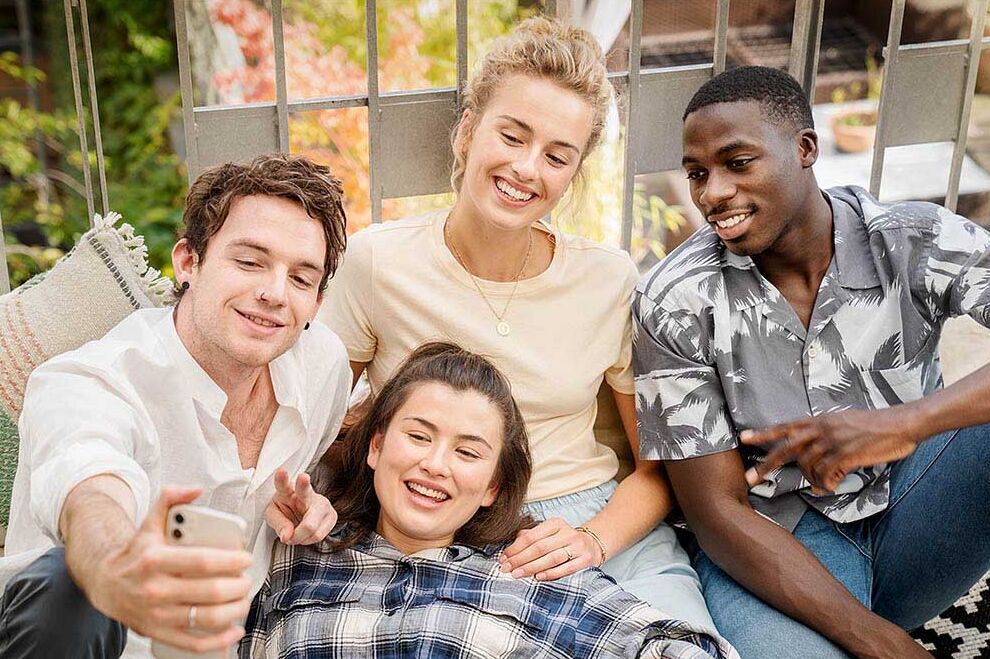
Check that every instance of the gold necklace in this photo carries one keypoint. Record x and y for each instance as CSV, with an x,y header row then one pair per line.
x,y
501,326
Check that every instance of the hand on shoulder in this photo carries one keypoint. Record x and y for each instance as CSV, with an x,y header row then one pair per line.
x,y
551,550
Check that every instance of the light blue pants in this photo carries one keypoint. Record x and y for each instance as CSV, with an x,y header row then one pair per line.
x,y
656,569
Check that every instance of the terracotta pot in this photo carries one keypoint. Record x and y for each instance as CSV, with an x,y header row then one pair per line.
x,y
854,130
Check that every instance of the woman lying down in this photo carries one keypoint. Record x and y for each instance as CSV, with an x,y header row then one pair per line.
x,y
429,487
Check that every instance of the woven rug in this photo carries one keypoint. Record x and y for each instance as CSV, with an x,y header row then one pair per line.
x,y
962,631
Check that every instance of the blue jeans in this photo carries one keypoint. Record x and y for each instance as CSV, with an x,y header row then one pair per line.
x,y
656,569
908,563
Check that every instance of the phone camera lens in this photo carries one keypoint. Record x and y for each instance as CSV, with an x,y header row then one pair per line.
x,y
179,519
177,534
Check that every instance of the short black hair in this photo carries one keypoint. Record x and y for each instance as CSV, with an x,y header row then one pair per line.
x,y
780,94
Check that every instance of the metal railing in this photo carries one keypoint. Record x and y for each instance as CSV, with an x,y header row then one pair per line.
x,y
655,100
4,275
71,8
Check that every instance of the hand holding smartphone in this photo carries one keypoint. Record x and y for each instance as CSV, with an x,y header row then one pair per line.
x,y
189,525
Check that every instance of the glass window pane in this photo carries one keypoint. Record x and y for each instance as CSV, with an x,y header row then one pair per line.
x,y
338,139
232,51
325,48
396,209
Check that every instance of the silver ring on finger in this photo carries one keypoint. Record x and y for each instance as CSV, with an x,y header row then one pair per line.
x,y
191,622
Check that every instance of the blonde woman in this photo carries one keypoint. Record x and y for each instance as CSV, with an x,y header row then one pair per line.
x,y
551,310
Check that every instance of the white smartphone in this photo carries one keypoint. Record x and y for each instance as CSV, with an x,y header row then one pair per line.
x,y
198,526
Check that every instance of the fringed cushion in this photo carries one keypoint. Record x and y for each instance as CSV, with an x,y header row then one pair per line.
x,y
92,288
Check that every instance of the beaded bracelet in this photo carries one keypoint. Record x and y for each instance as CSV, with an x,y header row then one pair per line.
x,y
598,541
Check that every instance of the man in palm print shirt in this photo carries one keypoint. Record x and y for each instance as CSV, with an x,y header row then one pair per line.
x,y
787,372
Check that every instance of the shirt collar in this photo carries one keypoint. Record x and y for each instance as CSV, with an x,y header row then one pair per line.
x,y
286,383
200,384
853,260
286,379
376,545
743,282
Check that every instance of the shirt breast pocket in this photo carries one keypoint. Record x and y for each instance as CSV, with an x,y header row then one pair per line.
x,y
502,625
892,386
308,616
902,384
303,594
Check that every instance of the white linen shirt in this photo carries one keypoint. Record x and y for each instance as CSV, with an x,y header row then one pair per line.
x,y
136,404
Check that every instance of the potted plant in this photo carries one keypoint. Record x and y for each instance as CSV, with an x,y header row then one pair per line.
x,y
855,128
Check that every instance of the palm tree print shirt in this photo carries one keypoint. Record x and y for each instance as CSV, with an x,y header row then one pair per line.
x,y
717,349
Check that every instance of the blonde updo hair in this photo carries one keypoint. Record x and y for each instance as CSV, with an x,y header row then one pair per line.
x,y
546,49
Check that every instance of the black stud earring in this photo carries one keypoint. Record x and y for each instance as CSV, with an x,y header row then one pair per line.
x,y
306,326
185,286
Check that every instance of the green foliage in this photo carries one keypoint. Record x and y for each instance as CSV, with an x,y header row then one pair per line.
x,y
653,219
10,64
857,89
343,23
865,118
132,49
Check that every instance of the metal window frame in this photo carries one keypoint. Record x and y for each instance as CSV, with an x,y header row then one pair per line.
x,y
652,93
920,66
420,164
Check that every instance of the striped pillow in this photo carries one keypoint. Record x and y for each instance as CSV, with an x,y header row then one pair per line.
x,y
104,278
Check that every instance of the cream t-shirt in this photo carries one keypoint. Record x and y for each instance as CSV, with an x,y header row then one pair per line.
x,y
399,286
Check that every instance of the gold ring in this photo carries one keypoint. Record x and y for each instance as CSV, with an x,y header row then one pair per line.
x,y
570,556
192,617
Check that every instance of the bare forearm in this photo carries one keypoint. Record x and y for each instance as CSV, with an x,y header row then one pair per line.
x,y
964,403
772,564
640,502
96,519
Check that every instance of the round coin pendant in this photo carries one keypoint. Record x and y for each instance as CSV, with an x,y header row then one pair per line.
x,y
502,328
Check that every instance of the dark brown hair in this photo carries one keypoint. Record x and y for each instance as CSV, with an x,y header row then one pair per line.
x,y
297,179
345,478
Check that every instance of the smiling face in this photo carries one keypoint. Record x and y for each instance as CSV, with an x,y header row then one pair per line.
x,y
256,286
749,177
522,152
435,465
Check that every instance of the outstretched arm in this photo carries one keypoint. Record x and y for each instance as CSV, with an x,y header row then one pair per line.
x,y
642,499
297,513
132,576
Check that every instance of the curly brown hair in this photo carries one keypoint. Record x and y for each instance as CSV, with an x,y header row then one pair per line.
x,y
312,186
344,477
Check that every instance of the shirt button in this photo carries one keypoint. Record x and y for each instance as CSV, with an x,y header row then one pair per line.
x,y
812,353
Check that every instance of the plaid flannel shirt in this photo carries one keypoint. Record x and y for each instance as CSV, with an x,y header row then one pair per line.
x,y
373,601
